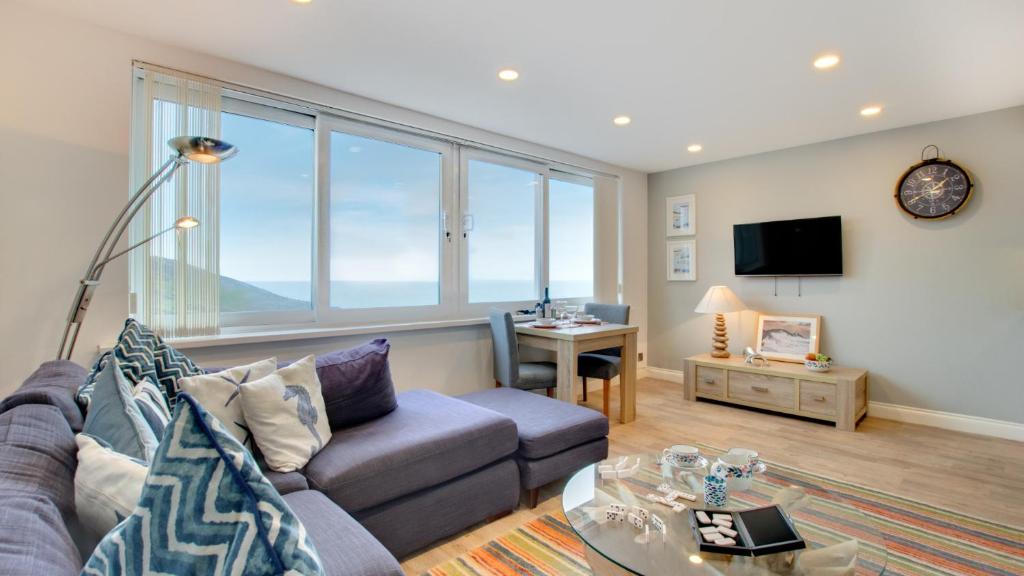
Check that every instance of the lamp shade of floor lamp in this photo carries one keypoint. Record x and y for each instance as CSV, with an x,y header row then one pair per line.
x,y
719,300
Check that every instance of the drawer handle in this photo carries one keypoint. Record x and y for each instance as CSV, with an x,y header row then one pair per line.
x,y
819,398
710,381
759,388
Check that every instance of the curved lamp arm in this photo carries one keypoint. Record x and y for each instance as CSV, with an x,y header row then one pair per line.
x,y
197,148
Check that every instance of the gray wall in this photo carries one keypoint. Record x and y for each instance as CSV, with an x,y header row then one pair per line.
x,y
935,310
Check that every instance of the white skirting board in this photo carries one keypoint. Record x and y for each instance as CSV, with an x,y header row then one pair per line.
x,y
899,413
677,376
948,420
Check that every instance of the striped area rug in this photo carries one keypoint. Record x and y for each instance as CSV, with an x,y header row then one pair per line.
x,y
545,545
920,540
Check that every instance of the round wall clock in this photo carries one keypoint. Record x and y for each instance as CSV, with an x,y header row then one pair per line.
x,y
934,189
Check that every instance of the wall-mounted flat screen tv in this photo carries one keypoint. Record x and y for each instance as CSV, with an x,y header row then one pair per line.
x,y
806,247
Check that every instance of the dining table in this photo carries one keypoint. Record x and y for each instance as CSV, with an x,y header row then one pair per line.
x,y
568,340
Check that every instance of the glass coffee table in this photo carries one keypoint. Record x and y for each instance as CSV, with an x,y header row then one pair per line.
x,y
822,518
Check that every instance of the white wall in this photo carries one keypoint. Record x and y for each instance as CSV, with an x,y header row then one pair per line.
x,y
64,137
934,310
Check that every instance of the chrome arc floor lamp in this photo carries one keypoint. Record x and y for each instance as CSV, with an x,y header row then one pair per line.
x,y
187,148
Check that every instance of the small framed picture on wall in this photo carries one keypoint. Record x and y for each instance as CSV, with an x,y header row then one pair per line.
x,y
681,214
682,260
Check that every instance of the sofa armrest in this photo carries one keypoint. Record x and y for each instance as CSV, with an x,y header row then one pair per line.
x,y
54,383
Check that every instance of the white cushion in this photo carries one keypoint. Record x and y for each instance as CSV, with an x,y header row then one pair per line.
x,y
286,414
219,394
107,486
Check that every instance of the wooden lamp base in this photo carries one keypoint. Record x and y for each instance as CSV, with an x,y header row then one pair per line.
x,y
720,341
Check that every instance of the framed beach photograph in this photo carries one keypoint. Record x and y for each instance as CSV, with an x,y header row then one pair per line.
x,y
788,337
682,215
682,260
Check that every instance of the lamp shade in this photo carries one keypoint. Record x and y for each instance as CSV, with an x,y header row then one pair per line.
x,y
719,300
201,149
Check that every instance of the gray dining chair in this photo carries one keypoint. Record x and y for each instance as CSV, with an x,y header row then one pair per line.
x,y
508,370
603,364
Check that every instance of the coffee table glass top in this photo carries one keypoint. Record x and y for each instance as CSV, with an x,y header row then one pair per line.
x,y
821,517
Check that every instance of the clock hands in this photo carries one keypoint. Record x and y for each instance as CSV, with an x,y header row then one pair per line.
x,y
933,190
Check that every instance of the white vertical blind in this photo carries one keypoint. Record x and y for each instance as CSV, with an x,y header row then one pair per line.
x,y
175,279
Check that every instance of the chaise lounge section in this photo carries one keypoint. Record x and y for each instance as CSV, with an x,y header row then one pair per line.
x,y
555,438
396,473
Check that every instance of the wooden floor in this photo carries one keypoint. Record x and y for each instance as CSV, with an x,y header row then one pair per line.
x,y
977,475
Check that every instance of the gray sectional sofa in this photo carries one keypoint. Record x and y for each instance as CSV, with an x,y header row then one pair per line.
x,y
380,490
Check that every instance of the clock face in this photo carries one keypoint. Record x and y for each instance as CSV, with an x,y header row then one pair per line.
x,y
934,189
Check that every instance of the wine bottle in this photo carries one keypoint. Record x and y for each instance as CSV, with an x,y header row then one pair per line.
x,y
547,303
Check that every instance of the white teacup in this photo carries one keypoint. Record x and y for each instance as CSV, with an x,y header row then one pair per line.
x,y
738,467
682,455
753,458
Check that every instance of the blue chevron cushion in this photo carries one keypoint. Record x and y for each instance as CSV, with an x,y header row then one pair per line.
x,y
205,509
142,354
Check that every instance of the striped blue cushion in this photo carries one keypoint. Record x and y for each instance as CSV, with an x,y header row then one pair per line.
x,y
115,418
142,355
153,405
205,509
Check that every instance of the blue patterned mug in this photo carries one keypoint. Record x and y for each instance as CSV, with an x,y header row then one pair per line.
x,y
715,491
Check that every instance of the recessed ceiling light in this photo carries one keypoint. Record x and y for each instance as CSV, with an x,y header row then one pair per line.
x,y
826,61
622,120
508,74
302,1
871,111
694,148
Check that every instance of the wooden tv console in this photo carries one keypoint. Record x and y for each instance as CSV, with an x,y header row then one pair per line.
x,y
839,395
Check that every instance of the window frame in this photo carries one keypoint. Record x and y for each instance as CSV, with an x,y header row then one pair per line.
x,y
231,103
466,155
587,181
448,296
454,305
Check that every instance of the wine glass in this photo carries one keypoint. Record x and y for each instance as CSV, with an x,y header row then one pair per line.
x,y
570,310
559,309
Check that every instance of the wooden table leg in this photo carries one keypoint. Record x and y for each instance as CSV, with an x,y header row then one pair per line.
x,y
627,380
566,371
690,385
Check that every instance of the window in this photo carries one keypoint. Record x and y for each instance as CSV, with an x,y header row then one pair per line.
x,y
267,212
385,220
571,237
500,221
335,222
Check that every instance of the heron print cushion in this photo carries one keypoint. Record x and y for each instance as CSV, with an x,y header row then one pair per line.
x,y
285,413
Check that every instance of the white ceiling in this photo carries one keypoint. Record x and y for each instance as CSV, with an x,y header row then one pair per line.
x,y
735,76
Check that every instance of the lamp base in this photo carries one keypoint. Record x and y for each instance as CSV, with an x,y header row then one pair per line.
x,y
720,341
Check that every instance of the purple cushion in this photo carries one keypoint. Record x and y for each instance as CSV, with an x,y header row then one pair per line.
x,y
356,384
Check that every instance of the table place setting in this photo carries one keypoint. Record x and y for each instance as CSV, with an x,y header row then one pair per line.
x,y
562,315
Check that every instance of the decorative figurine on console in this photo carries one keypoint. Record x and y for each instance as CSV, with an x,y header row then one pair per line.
x,y
752,358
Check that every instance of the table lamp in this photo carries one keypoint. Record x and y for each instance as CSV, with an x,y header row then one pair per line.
x,y
719,300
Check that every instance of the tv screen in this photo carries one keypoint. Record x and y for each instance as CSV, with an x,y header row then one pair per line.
x,y
807,247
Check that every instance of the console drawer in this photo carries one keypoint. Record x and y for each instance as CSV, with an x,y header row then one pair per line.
x,y
818,397
762,389
710,382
